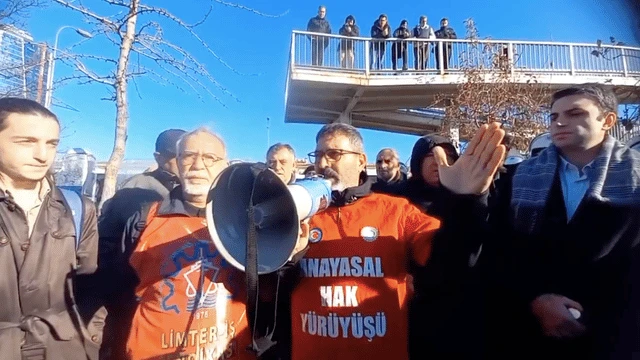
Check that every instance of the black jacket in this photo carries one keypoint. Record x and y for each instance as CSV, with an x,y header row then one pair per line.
x,y
319,25
399,47
347,30
446,33
379,32
592,259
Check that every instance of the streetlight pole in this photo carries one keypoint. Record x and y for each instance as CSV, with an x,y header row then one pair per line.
x,y
52,60
268,135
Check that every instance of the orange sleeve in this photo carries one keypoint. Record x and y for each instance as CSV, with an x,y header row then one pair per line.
x,y
419,231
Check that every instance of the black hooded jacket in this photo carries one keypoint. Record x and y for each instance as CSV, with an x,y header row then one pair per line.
x,y
430,199
379,32
349,30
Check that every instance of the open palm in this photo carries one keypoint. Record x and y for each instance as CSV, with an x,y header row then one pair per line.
x,y
474,171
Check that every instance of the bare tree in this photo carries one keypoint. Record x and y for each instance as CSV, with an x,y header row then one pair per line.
x,y
135,28
629,119
491,92
14,12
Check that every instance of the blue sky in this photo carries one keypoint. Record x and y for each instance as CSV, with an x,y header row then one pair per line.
x,y
259,46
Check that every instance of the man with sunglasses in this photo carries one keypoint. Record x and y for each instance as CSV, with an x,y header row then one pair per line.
x,y
190,303
353,292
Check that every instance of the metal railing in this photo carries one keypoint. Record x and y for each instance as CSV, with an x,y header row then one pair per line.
x,y
439,56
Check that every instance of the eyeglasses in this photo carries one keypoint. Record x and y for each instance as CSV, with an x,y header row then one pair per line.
x,y
331,155
188,158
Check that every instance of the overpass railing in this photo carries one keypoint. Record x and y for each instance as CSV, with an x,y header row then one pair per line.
x,y
367,56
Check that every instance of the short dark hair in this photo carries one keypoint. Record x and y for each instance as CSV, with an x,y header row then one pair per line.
x,y
335,129
603,96
279,146
383,16
12,105
309,169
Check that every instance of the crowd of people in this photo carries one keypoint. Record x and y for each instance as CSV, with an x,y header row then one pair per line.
x,y
380,33
462,258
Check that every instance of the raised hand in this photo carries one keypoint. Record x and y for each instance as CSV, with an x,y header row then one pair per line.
x,y
474,171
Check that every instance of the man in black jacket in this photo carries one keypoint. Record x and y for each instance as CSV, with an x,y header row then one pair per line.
x,y
399,49
347,55
570,285
445,32
379,32
319,43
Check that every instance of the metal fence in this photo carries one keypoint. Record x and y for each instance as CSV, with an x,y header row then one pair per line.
x,y
377,56
24,66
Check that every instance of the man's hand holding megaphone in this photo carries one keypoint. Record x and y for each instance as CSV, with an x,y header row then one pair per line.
x,y
473,172
303,238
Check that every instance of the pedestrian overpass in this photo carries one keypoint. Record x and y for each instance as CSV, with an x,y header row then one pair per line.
x,y
380,98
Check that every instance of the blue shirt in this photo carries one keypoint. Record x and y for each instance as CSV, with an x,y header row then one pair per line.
x,y
574,185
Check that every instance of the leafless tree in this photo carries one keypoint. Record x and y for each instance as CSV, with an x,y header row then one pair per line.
x,y
14,12
135,28
630,115
491,92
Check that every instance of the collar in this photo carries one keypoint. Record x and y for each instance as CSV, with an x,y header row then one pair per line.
x,y
165,177
44,187
174,204
350,195
567,166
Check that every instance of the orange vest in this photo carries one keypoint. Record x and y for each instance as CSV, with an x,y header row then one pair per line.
x,y
351,302
191,302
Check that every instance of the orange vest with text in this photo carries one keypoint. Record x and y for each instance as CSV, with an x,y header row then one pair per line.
x,y
351,302
191,302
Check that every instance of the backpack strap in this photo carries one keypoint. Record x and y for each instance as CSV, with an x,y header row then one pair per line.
x,y
74,202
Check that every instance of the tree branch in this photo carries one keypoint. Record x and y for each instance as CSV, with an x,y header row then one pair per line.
x,y
86,12
166,14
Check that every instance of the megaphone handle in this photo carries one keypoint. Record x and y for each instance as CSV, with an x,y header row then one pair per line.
x,y
263,343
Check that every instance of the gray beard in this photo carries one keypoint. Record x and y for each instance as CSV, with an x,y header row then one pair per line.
x,y
195,190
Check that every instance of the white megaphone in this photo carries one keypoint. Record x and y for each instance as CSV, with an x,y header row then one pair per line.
x,y
249,200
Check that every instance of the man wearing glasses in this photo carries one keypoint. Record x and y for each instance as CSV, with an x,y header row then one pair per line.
x,y
190,303
353,293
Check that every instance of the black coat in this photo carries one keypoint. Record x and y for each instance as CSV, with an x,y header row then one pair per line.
x,y
379,32
346,30
446,33
399,47
322,26
319,25
593,259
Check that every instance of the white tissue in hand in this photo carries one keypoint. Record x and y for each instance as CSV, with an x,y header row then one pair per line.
x,y
575,312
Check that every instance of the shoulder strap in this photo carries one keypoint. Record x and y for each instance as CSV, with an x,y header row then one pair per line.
x,y
74,201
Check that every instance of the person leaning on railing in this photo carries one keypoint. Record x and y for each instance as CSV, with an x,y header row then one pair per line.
x,y
379,32
399,49
347,55
445,32
421,48
319,24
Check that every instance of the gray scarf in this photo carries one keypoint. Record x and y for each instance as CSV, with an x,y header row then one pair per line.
x,y
614,178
